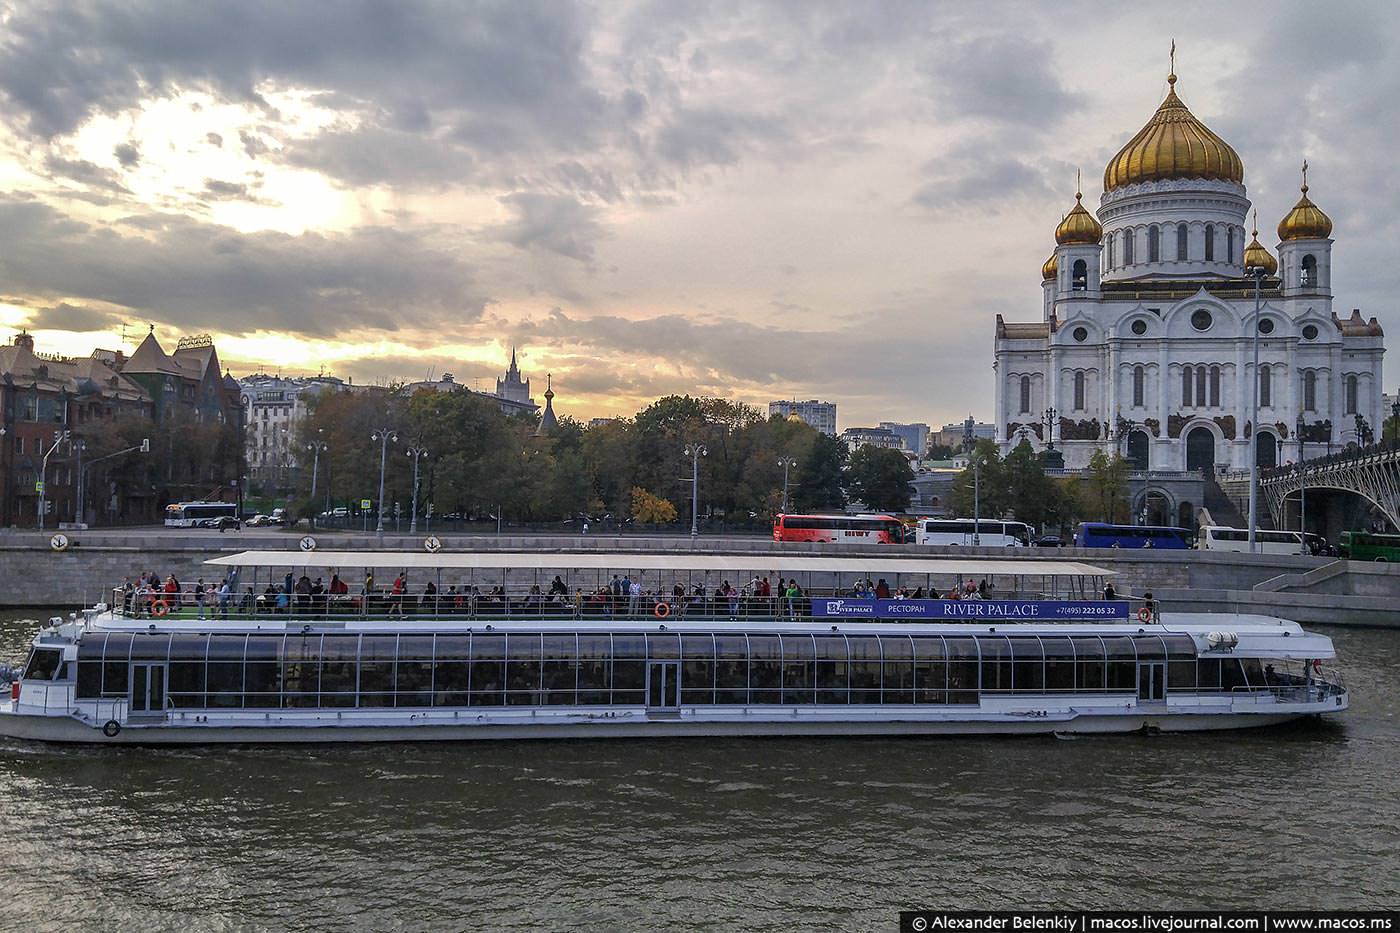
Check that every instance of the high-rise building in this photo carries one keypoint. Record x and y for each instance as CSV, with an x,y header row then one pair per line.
x,y
915,436
820,415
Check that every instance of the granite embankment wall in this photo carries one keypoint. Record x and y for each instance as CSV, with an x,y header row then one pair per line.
x,y
1307,589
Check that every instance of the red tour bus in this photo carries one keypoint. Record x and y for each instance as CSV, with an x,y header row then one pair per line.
x,y
839,529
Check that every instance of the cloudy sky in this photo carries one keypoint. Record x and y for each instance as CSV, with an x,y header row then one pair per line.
x,y
745,199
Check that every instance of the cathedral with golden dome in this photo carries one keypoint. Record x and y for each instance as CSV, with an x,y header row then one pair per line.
x,y
1145,342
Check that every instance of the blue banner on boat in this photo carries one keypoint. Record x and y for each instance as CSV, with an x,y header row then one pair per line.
x,y
940,610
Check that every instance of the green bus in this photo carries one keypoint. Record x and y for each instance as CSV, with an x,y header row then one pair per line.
x,y
1363,545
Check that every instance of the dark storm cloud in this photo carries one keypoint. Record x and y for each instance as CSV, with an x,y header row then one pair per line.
x,y
64,316
553,223
195,275
127,154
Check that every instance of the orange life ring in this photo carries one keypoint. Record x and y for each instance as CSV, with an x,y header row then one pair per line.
x,y
1144,614
160,608
661,610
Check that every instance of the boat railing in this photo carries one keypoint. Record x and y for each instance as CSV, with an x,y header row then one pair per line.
x,y
189,602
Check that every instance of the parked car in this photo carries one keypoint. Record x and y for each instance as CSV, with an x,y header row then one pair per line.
x,y
258,521
1049,541
278,517
223,523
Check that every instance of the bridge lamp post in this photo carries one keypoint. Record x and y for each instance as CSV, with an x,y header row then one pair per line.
x,y
1049,418
415,452
786,463
695,452
1302,492
383,436
1257,273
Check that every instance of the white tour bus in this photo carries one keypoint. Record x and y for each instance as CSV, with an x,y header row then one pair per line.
x,y
1224,538
198,514
961,531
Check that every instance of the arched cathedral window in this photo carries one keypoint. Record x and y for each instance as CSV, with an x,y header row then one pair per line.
x,y
1215,387
1186,384
1265,386
1351,395
1310,391
1139,385
1079,278
1229,244
1154,244
1309,273
1112,242
1128,247
1079,391
1025,394
1181,242
1201,386
1210,242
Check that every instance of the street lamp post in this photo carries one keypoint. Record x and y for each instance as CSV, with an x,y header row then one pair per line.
x,y
1257,273
1049,419
1302,492
383,436
79,447
970,445
695,452
1363,431
316,447
58,438
786,463
415,452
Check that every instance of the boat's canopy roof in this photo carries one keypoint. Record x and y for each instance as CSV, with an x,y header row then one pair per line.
x,y
616,561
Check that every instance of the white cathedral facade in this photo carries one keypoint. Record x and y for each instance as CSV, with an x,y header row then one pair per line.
x,y
1145,343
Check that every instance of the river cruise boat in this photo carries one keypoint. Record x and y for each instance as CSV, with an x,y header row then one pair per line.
x,y
555,645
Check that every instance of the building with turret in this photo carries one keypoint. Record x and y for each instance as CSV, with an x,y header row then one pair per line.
x,y
1145,340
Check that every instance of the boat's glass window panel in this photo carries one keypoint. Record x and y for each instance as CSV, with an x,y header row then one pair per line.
x,y
1121,671
1090,663
301,670
224,672
1029,665
1253,672
1150,648
451,670
663,647
897,669
1181,662
996,663
1059,664
560,671
832,671
452,648
377,653
262,672
488,672
90,666
185,677
189,647
338,654
1208,674
43,664
765,669
697,669
522,669
150,647
413,677
1232,677
964,669
930,670
731,669
629,670
865,668
799,669
116,666
594,660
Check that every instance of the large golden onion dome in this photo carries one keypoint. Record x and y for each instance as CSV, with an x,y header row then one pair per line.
x,y
1079,226
1050,269
1256,256
1306,220
1173,144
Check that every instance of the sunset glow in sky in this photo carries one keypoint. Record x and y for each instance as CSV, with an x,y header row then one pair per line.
x,y
744,199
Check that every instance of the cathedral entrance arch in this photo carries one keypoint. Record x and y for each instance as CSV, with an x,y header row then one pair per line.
x,y
1185,516
1200,450
1137,450
1266,449
1153,507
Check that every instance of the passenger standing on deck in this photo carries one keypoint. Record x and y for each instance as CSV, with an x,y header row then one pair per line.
x,y
634,596
882,589
1108,591
1150,604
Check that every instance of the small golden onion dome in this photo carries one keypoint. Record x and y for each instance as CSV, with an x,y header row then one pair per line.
x,y
1050,269
1306,220
795,418
1256,256
1173,144
1079,226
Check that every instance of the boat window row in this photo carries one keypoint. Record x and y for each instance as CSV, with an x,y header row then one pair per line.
x,y
496,669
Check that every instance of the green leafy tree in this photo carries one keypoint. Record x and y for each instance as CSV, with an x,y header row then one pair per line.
x,y
1031,493
822,474
1105,487
880,477
991,497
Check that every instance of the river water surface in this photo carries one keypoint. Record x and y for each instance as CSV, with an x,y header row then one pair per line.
x,y
771,834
